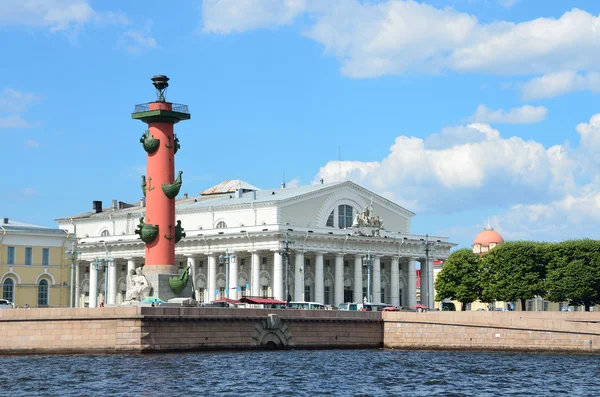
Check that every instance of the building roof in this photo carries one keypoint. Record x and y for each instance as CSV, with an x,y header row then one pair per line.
x,y
228,186
22,227
487,237
223,199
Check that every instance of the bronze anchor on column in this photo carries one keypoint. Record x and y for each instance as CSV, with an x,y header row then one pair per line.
x,y
170,236
150,187
168,145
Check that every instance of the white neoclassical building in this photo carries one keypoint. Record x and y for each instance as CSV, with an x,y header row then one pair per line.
x,y
237,231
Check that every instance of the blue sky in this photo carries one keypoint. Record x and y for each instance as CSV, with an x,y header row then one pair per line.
x,y
459,110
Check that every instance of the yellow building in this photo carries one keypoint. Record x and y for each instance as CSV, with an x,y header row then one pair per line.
x,y
34,269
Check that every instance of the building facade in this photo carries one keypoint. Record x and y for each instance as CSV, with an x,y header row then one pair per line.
x,y
34,270
338,237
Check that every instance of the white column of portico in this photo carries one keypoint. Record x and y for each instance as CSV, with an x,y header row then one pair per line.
x,y
299,277
130,266
430,290
377,280
191,261
358,279
412,282
339,279
423,300
212,277
93,298
278,276
111,296
76,297
319,279
255,283
395,274
233,277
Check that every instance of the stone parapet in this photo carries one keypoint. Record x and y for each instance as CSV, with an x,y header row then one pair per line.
x,y
508,331
140,329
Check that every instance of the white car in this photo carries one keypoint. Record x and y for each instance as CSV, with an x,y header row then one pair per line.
x,y
6,304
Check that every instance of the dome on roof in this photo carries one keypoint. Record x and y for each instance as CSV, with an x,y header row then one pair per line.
x,y
487,237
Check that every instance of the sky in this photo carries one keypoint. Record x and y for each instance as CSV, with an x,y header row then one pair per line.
x,y
464,112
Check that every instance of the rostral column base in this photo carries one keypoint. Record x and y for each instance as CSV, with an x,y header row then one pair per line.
x,y
161,289
161,269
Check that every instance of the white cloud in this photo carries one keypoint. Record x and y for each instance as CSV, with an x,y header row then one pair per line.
x,y
371,39
13,103
468,167
293,183
14,121
228,16
522,115
136,41
508,3
548,193
56,15
560,83
30,143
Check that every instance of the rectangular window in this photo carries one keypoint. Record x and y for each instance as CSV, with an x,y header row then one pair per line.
x,y
201,295
400,297
28,255
45,256
529,305
264,291
327,300
307,293
244,291
383,300
264,260
11,256
221,293
546,305
348,295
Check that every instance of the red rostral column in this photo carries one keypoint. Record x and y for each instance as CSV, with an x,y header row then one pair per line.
x,y
159,230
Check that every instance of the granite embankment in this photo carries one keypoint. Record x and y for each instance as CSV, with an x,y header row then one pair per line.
x,y
155,329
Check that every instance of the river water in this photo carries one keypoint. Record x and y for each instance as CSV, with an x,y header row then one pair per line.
x,y
303,373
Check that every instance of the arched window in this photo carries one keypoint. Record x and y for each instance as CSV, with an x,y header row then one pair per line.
x,y
344,216
330,220
105,233
221,225
43,293
8,290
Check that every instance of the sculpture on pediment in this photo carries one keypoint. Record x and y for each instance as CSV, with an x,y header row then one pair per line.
x,y
366,224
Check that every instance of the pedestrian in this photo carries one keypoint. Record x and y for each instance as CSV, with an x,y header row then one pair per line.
x,y
102,303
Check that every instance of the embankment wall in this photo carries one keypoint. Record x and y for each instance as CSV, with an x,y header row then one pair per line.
x,y
518,331
157,329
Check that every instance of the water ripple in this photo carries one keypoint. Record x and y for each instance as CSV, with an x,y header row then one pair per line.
x,y
311,373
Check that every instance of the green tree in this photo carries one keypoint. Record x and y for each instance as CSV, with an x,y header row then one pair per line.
x,y
459,278
515,271
574,273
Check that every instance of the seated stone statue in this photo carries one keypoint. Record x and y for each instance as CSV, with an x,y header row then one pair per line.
x,y
139,287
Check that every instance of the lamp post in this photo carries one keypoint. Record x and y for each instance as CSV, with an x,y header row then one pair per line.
x,y
368,263
427,246
286,254
224,259
73,253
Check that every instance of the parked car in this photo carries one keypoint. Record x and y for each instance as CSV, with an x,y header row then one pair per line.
x,y
6,304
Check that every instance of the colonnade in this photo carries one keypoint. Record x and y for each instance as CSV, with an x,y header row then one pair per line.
x,y
330,278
